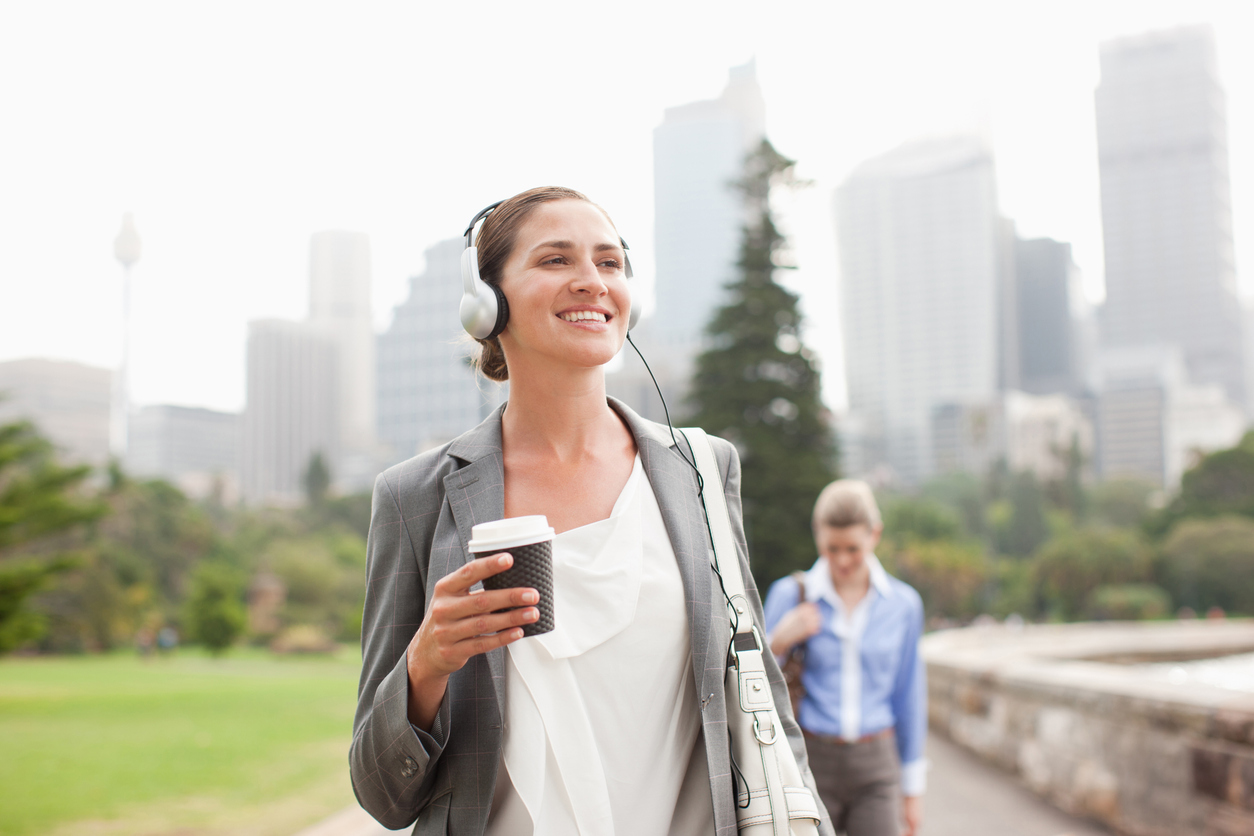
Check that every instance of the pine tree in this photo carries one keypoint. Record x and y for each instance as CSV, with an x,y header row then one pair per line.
x,y
758,387
39,498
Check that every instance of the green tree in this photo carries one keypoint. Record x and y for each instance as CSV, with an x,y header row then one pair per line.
x,y
908,517
1210,563
39,499
963,493
215,611
1025,528
1122,503
317,480
950,576
758,387
1072,565
1066,492
1221,483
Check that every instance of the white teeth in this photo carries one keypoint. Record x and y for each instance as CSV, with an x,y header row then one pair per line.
x,y
583,316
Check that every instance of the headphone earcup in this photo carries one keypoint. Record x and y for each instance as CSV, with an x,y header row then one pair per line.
x,y
635,311
502,310
483,309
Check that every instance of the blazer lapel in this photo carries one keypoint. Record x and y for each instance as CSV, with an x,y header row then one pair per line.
x,y
476,493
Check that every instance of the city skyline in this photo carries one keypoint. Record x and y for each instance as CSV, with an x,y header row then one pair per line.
x,y
228,182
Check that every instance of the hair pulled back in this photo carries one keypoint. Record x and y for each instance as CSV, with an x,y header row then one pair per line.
x,y
847,502
495,242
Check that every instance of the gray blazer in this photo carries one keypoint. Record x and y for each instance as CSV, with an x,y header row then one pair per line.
x,y
419,529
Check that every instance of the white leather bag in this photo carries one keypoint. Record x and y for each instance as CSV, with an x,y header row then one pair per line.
x,y
771,798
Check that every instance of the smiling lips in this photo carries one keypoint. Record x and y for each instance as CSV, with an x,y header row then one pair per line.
x,y
583,316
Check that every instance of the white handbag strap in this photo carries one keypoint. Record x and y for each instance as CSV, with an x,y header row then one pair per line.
x,y
752,686
720,520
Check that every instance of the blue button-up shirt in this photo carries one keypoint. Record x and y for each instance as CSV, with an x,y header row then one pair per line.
x,y
863,670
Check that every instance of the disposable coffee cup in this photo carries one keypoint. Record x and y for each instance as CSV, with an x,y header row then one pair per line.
x,y
530,541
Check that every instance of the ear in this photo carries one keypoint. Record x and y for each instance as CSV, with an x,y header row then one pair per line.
x,y
876,532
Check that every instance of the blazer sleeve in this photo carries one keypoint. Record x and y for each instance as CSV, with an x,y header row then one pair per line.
x,y
729,463
392,764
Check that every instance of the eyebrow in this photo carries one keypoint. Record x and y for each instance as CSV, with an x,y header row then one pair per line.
x,y
567,245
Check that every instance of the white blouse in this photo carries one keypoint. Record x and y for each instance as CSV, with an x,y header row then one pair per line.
x,y
602,733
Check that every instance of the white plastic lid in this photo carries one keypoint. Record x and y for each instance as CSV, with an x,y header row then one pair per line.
x,y
510,533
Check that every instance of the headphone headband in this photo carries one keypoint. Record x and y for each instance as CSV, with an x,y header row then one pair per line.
x,y
483,213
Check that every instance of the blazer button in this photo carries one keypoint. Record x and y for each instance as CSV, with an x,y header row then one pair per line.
x,y
410,762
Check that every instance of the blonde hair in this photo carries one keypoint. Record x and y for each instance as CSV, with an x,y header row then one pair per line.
x,y
847,502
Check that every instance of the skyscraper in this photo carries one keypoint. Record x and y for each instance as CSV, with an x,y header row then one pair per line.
x,y
699,152
428,393
292,411
1162,140
1053,318
339,305
922,261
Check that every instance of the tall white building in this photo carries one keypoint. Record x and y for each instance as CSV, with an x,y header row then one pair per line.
x,y
1162,140
922,259
293,408
69,403
339,305
428,393
699,152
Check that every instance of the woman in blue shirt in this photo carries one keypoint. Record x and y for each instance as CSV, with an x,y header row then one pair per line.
x,y
864,714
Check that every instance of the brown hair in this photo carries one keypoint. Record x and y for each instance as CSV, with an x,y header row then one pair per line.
x,y
495,243
847,502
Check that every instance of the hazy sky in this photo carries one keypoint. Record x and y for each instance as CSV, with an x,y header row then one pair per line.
x,y
235,130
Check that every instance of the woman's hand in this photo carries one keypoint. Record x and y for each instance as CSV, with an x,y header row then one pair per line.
x,y
911,815
461,623
799,624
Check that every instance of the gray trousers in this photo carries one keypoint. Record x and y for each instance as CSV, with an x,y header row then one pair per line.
x,y
860,784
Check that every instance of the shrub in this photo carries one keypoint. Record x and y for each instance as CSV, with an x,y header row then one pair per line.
x,y
1210,562
951,577
1070,566
215,609
1128,602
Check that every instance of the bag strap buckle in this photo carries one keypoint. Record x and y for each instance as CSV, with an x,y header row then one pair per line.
x,y
773,730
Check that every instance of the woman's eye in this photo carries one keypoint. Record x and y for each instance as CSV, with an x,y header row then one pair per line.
x,y
557,259
612,263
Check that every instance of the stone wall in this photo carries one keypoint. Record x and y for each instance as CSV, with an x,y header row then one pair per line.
x,y
1142,755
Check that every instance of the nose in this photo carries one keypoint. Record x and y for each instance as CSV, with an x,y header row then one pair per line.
x,y
588,280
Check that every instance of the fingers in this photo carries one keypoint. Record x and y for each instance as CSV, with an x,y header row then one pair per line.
x,y
473,572
479,601
453,631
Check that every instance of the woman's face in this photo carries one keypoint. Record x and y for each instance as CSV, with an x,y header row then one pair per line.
x,y
846,549
568,297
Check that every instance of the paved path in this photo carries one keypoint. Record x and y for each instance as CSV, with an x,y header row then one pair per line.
x,y
966,797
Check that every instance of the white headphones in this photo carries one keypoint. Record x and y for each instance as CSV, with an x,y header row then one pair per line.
x,y
484,309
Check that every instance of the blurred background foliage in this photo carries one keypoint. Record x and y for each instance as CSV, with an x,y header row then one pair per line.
x,y
88,566
92,564
1074,549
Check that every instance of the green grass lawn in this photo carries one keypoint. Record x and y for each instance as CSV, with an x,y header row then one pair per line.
x,y
249,743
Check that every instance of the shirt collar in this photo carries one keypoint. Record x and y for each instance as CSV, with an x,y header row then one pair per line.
x,y
879,578
818,581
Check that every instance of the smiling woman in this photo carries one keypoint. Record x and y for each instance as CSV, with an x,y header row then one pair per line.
x,y
461,725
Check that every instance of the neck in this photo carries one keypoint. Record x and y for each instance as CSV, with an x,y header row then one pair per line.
x,y
556,412
856,585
